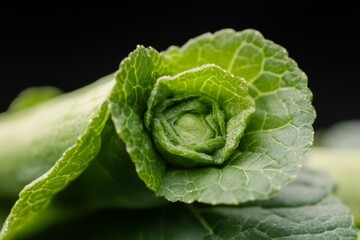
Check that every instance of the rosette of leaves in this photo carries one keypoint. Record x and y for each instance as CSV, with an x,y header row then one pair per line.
x,y
225,119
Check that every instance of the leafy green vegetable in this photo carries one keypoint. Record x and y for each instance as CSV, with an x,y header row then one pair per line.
x,y
305,209
277,135
225,119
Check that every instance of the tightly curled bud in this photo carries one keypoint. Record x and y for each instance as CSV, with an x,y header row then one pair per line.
x,y
198,116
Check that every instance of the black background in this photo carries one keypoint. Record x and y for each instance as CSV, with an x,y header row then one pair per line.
x,y
70,49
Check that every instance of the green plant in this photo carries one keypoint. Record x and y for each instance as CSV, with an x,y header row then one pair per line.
x,y
225,119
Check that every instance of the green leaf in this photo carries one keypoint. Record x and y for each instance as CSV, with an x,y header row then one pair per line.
x,y
313,216
77,134
278,133
305,209
135,80
328,219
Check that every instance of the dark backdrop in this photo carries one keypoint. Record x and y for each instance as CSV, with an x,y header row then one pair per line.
x,y
70,49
